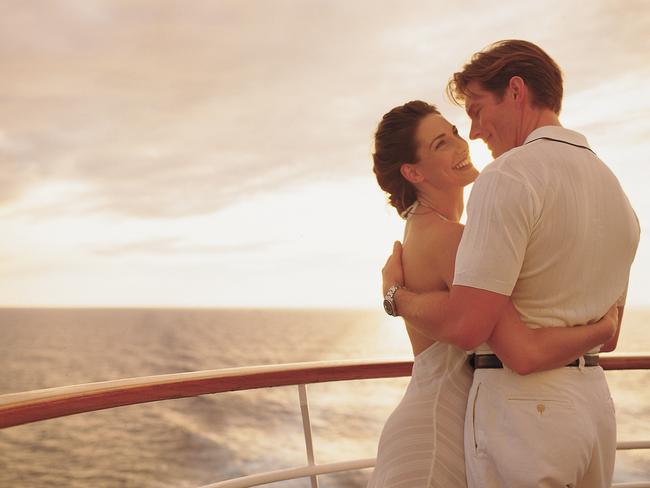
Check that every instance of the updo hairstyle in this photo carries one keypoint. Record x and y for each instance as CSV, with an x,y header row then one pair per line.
x,y
395,145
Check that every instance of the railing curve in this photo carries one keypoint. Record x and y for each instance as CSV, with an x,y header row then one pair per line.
x,y
32,406
25,407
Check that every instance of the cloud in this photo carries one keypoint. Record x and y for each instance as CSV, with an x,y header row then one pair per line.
x,y
176,246
177,109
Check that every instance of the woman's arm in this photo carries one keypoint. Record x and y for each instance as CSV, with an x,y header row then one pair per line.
x,y
610,345
526,350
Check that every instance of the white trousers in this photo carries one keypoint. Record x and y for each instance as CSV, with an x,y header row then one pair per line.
x,y
554,429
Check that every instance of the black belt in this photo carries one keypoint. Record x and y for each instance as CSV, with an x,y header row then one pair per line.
x,y
478,361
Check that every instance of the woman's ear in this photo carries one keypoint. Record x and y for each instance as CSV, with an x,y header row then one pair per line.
x,y
411,173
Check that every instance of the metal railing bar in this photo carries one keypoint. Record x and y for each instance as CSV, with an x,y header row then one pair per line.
x,y
633,484
306,427
293,473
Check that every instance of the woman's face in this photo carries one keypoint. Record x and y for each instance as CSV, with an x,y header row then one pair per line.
x,y
443,156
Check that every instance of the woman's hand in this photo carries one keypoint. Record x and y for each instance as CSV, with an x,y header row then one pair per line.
x,y
610,321
392,272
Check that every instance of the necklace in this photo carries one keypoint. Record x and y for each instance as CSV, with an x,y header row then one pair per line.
x,y
420,202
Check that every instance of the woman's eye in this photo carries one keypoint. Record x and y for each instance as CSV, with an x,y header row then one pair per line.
x,y
440,144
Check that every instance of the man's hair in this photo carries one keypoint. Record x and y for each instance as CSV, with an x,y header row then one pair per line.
x,y
499,62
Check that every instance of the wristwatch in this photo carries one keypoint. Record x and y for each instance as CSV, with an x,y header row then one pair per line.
x,y
389,302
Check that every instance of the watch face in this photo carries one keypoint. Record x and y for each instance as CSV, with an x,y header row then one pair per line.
x,y
388,307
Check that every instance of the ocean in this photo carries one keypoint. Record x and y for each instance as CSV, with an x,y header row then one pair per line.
x,y
197,441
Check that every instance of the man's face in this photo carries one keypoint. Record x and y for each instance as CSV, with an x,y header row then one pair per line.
x,y
493,120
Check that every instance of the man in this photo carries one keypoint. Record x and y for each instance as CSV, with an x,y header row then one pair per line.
x,y
548,225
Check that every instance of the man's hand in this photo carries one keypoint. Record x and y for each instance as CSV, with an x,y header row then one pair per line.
x,y
392,272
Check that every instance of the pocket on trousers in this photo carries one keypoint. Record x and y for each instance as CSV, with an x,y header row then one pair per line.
x,y
550,432
541,407
477,432
526,414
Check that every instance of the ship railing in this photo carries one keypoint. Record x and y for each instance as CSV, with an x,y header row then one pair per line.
x,y
32,406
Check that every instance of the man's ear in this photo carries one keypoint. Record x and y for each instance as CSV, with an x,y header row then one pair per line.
x,y
518,89
411,173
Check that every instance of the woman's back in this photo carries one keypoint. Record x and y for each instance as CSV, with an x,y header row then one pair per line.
x,y
428,257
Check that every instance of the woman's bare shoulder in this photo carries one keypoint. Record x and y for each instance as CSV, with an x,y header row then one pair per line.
x,y
432,232
429,253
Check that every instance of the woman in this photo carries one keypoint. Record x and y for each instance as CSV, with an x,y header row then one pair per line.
x,y
423,165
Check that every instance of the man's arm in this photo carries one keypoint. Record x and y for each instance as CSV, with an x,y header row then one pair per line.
x,y
526,350
464,317
424,311
472,315
502,212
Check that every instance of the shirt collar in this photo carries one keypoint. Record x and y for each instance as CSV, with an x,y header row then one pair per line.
x,y
558,132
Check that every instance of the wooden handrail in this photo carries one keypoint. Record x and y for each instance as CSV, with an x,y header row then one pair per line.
x,y
32,406
625,361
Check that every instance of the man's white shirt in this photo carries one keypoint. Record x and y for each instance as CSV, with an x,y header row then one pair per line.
x,y
549,224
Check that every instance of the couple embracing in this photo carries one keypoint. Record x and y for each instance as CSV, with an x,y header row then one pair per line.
x,y
533,287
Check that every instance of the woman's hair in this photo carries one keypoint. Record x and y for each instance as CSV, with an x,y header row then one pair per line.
x,y
395,145
498,63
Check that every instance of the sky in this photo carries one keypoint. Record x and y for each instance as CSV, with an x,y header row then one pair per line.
x,y
218,154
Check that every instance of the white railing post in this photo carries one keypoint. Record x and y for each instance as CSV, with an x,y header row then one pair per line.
x,y
306,427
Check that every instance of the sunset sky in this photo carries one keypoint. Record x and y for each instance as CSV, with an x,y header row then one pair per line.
x,y
217,153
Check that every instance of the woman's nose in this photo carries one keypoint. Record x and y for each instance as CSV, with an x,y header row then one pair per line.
x,y
462,150
461,144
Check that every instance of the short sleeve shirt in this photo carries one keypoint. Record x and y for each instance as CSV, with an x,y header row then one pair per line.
x,y
549,224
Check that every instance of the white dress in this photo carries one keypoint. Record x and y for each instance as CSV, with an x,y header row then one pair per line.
x,y
421,444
